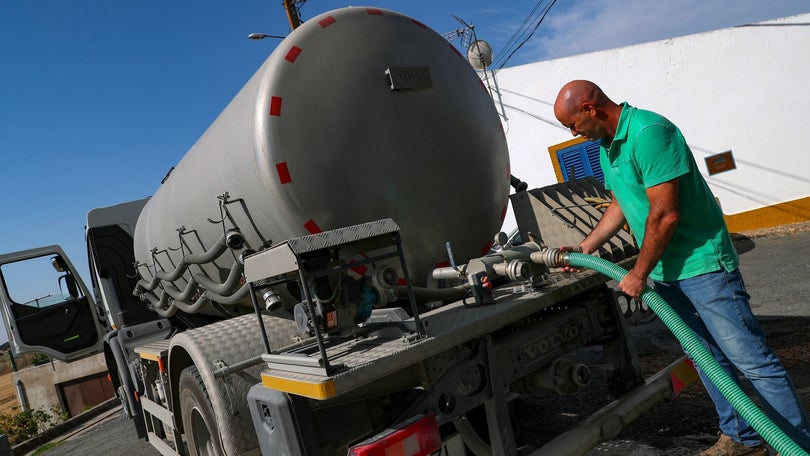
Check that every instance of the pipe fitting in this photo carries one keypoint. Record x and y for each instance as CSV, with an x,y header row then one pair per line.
x,y
272,301
234,240
384,277
447,273
553,258
515,270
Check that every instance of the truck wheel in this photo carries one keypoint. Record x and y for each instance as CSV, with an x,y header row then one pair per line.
x,y
199,422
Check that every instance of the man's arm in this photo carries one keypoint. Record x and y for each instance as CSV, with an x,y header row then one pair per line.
x,y
662,220
609,224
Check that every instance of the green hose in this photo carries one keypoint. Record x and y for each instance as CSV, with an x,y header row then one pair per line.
x,y
700,355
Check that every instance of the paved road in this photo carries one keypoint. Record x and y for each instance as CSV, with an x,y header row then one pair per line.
x,y
112,435
777,272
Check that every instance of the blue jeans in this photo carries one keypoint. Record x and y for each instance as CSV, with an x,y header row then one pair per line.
x,y
716,306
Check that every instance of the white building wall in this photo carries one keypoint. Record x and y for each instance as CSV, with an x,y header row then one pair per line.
x,y
41,383
745,89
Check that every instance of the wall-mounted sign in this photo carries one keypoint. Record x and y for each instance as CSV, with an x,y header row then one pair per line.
x,y
718,163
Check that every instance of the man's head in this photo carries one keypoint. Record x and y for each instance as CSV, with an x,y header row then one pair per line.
x,y
583,108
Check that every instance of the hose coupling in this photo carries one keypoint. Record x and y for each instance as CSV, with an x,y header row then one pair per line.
x,y
234,240
553,258
272,300
515,270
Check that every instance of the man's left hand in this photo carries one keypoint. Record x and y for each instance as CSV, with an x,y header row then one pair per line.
x,y
633,285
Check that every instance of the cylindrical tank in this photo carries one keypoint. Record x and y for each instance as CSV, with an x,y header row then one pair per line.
x,y
359,114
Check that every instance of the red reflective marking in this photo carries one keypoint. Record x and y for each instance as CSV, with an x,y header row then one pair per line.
x,y
275,106
419,23
360,270
442,264
293,54
486,248
331,319
283,173
503,212
312,227
374,12
678,385
327,21
401,282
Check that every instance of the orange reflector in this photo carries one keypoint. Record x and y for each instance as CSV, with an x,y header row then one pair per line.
x,y
418,436
683,375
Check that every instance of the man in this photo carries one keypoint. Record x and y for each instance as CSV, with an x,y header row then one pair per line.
x,y
685,248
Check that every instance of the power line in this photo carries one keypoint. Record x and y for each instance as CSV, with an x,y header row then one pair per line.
x,y
520,29
522,34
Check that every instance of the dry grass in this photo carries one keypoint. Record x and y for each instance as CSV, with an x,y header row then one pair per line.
x,y
8,397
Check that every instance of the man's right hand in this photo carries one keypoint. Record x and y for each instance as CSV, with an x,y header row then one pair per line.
x,y
571,248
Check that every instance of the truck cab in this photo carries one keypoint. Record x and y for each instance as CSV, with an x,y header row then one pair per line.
x,y
47,307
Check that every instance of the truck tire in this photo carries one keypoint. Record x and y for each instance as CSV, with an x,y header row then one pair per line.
x,y
199,422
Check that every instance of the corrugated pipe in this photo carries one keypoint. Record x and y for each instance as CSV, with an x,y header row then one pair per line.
x,y
698,352
224,293
225,288
221,245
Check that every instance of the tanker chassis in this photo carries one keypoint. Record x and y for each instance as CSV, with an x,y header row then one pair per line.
x,y
316,276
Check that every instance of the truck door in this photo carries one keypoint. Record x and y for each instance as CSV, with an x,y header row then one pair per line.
x,y
46,307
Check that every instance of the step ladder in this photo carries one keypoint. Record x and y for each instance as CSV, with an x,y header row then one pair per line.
x,y
161,429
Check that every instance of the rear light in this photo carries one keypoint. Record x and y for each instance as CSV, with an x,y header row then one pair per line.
x,y
418,436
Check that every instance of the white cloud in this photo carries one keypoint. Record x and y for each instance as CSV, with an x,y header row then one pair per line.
x,y
576,27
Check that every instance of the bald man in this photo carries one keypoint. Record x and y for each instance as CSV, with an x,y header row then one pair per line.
x,y
686,250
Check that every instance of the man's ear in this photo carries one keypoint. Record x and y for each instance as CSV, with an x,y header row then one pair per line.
x,y
588,108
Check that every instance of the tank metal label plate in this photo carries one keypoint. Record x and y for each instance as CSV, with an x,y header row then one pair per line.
x,y
409,78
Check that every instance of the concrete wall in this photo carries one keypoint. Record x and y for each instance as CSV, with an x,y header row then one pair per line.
x,y
743,89
41,382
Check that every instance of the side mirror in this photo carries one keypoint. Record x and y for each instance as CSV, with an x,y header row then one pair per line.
x,y
59,264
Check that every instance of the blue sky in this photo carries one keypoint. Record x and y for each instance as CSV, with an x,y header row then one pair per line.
x,y
99,99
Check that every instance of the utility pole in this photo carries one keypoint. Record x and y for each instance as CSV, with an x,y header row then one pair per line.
x,y
293,16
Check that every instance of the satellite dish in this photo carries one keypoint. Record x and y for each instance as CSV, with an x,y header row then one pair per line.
x,y
479,54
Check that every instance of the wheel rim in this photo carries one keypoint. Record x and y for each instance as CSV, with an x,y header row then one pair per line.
x,y
202,436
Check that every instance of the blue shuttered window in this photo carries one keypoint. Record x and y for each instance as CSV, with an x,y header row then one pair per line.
x,y
583,158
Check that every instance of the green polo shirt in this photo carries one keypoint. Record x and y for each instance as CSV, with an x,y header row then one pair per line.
x,y
648,150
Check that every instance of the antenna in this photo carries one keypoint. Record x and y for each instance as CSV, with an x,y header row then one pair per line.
x,y
465,34
479,54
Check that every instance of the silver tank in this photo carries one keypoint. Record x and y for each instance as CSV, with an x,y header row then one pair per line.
x,y
318,139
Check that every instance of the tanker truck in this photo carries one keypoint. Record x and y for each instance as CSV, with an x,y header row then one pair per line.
x,y
322,273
